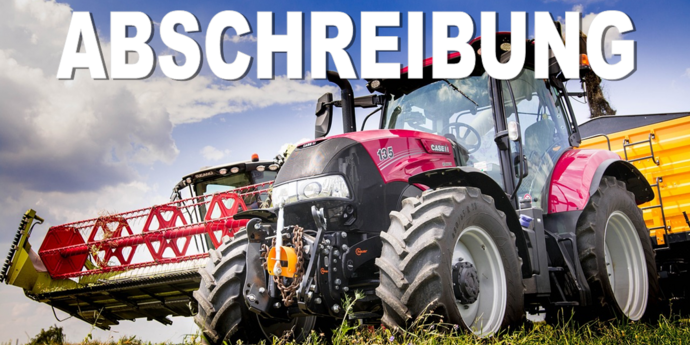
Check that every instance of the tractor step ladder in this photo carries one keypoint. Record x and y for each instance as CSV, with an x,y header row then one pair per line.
x,y
627,143
658,180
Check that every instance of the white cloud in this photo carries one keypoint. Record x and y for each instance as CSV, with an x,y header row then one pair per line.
x,y
213,154
84,134
687,73
201,98
238,39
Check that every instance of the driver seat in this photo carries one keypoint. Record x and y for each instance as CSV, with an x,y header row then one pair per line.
x,y
539,137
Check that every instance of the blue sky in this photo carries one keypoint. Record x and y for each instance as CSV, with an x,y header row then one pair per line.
x,y
73,149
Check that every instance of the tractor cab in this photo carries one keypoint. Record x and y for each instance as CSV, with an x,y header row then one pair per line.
x,y
512,130
250,177
227,177
461,110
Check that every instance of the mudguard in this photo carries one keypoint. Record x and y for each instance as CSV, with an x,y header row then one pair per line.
x,y
577,174
471,177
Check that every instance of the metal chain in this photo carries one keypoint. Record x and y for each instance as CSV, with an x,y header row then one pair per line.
x,y
288,292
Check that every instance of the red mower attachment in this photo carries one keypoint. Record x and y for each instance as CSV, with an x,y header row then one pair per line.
x,y
150,236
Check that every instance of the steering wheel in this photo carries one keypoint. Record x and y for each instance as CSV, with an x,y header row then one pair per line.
x,y
465,136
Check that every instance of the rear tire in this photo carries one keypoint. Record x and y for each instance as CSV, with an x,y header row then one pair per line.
x,y
617,257
426,238
223,314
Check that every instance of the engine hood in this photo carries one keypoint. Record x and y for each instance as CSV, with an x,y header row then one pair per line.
x,y
394,155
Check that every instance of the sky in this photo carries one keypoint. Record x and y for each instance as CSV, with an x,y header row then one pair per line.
x,y
74,149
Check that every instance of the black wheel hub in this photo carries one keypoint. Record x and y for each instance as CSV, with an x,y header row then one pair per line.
x,y
465,282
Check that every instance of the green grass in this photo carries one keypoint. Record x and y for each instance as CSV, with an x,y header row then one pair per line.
x,y
666,331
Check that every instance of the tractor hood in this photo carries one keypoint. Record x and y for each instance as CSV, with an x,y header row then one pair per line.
x,y
393,155
375,165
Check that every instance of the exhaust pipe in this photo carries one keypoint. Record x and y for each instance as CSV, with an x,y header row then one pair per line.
x,y
347,101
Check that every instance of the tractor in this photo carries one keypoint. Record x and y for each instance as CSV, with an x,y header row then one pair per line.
x,y
470,201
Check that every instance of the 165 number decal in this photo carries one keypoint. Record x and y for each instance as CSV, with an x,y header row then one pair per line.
x,y
385,153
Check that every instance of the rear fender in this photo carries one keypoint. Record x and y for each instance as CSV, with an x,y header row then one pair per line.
x,y
577,174
471,177
622,170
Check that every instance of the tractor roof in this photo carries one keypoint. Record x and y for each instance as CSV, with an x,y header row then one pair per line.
x,y
206,172
405,85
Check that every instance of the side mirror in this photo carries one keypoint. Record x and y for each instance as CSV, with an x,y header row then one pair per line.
x,y
324,115
516,165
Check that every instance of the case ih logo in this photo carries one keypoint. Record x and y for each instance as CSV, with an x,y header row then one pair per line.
x,y
439,148
360,251
208,173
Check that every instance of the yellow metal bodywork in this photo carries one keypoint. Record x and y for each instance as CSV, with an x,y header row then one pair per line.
x,y
671,143
22,272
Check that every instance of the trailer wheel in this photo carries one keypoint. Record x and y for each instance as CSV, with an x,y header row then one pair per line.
x,y
616,256
223,315
451,252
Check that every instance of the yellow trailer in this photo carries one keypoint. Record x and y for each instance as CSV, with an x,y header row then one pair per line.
x,y
659,146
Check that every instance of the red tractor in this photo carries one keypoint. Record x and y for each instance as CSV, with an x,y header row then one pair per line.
x,y
470,201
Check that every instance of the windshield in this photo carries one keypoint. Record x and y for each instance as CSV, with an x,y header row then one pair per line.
x,y
226,183
460,110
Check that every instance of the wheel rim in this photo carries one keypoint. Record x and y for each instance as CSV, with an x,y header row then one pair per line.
x,y
300,327
625,265
485,316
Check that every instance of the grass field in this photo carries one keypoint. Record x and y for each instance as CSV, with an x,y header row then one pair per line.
x,y
674,330
666,331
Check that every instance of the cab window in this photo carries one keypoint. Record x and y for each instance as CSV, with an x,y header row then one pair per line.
x,y
543,126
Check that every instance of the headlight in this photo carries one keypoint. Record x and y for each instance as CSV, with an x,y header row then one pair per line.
x,y
312,190
333,186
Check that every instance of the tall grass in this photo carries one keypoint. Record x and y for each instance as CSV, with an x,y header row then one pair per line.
x,y
666,331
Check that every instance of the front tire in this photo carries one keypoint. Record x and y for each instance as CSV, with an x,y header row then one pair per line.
x,y
420,263
617,257
223,315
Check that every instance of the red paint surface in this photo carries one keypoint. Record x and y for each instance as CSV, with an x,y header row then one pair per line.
x,y
409,155
217,231
102,230
62,236
64,251
453,55
572,177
